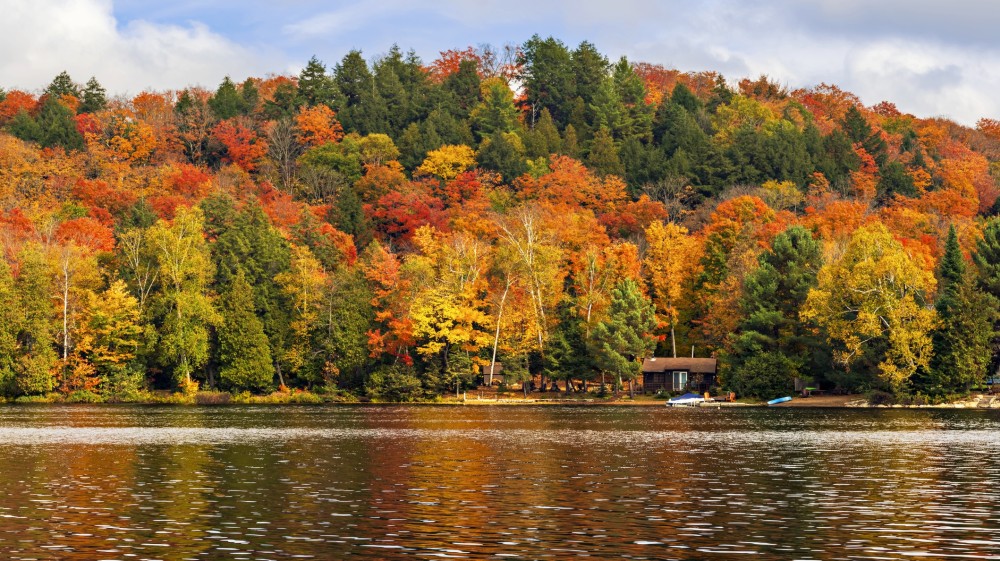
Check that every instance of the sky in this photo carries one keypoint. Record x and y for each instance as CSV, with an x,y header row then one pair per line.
x,y
930,58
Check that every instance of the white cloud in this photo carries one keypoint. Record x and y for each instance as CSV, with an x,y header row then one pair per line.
x,y
41,38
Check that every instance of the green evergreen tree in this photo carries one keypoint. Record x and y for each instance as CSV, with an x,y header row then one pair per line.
x,y
94,97
249,245
496,113
543,140
590,68
283,103
857,129
244,353
637,116
772,297
411,147
57,126
499,154
348,318
251,96
685,98
603,155
567,355
607,108
25,127
894,180
62,85
315,86
442,128
389,72
643,164
227,101
548,76
621,341
570,143
962,340
463,87
362,109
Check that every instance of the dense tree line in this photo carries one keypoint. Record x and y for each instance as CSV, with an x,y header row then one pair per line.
x,y
391,228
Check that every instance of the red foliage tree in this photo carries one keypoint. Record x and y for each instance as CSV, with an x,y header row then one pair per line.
x,y
243,146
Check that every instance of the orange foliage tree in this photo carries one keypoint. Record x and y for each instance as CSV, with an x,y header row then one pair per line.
x,y
317,125
244,147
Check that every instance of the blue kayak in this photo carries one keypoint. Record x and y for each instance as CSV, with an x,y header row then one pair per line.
x,y
779,400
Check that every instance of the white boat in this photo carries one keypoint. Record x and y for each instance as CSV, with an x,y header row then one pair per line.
x,y
688,399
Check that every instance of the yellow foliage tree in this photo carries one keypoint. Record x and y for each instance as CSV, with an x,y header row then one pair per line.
x,y
448,161
671,262
305,282
448,309
873,298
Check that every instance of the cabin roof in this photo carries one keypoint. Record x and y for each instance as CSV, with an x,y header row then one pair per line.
x,y
664,364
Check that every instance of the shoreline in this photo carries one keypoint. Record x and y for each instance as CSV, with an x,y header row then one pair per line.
x,y
854,401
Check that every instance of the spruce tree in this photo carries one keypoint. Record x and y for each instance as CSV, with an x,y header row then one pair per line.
x,y
463,86
603,156
316,87
620,342
773,295
962,339
227,102
499,154
57,126
62,85
244,353
95,97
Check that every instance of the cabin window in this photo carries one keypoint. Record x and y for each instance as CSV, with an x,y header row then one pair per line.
x,y
680,380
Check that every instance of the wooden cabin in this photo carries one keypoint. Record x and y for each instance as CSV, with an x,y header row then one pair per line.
x,y
678,374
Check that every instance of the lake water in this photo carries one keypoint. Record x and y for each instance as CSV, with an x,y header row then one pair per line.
x,y
387,482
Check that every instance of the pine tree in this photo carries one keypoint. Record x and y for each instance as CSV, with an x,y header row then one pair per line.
x,y
603,156
496,113
570,142
251,96
244,353
962,339
499,154
621,341
772,297
227,102
62,85
316,87
95,97
362,108
250,246
547,73
464,88
57,127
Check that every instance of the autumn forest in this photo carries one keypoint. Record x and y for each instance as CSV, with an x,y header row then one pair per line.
x,y
388,228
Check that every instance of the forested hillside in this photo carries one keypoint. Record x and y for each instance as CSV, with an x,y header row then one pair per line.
x,y
390,227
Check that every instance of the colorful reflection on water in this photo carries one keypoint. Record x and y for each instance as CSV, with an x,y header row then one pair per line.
x,y
134,482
